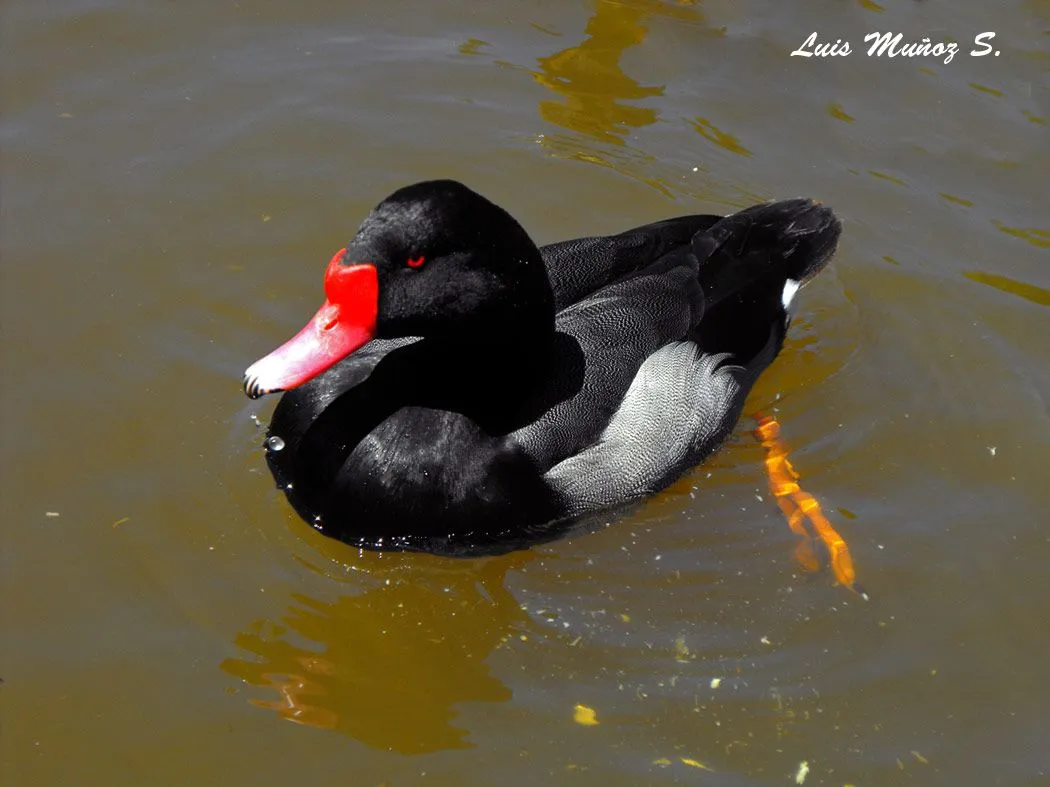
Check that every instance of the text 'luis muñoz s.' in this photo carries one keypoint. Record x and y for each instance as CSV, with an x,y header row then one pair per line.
x,y
894,45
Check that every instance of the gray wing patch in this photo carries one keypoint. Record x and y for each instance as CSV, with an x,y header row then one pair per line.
x,y
615,330
679,408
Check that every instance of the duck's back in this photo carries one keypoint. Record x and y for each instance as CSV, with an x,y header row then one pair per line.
x,y
687,395
578,268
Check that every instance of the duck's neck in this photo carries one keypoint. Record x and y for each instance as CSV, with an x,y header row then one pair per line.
x,y
494,379
521,343
526,311
519,324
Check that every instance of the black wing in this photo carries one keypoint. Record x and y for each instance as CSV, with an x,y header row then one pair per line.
x,y
577,268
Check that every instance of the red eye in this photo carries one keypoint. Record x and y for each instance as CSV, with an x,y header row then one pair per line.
x,y
416,263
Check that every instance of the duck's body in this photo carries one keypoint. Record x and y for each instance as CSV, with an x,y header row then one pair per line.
x,y
548,383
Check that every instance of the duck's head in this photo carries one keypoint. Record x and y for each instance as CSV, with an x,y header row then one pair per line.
x,y
434,260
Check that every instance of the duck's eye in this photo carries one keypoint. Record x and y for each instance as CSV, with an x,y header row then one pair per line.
x,y
416,263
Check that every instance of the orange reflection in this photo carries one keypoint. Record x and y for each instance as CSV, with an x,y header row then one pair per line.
x,y
296,690
588,77
390,665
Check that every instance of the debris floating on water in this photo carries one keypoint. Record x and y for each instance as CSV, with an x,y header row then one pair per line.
x,y
585,716
802,772
693,763
681,650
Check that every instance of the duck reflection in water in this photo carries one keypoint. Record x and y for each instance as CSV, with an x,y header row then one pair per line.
x,y
389,666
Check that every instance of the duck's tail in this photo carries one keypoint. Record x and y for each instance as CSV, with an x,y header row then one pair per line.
x,y
751,265
788,241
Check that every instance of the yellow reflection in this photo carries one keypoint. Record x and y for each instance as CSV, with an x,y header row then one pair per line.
x,y
989,90
625,160
1037,237
726,141
390,665
837,112
472,46
884,176
589,80
1006,284
957,200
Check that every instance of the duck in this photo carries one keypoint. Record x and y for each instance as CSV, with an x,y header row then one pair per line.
x,y
463,391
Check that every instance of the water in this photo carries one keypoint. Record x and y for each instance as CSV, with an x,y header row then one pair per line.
x,y
175,178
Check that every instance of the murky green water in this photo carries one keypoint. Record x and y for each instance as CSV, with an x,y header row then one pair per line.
x,y
174,177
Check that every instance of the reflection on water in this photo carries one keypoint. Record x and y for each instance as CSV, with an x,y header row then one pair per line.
x,y
1006,284
388,666
989,90
625,160
592,89
589,80
836,111
1038,238
726,141
957,200
887,177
